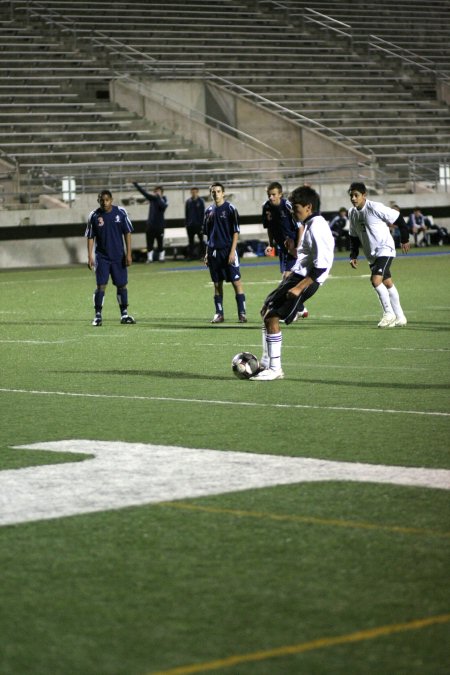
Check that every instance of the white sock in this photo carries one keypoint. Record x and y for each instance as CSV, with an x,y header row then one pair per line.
x,y
383,296
395,302
274,342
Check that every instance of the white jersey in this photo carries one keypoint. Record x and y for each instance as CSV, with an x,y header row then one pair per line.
x,y
316,249
371,226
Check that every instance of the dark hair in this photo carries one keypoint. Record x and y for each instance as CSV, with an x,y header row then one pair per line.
x,y
275,185
159,187
360,187
305,195
105,192
217,184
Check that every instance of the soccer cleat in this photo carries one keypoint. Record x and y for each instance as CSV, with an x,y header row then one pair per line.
x,y
388,320
242,318
217,318
126,318
401,320
303,315
97,321
264,362
269,374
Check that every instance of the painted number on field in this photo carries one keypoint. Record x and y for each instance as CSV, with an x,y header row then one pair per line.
x,y
130,474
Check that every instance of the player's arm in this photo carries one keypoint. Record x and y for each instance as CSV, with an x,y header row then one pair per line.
x,y
354,251
234,241
313,275
404,233
128,254
144,192
90,252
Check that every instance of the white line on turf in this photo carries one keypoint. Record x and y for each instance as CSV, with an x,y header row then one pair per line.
x,y
250,404
123,474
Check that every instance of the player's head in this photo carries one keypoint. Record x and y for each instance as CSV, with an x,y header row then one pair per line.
x,y
194,191
105,200
274,192
305,201
358,194
158,189
217,192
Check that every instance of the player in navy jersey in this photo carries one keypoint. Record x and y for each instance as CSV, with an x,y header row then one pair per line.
x,y
156,221
109,228
278,219
221,228
314,260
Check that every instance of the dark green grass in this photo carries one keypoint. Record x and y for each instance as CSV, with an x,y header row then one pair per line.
x,y
146,589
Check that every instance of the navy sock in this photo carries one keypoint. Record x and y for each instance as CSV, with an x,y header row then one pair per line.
x,y
240,300
122,299
99,297
218,302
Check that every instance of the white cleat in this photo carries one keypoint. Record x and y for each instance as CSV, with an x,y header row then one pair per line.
x,y
388,320
401,320
269,374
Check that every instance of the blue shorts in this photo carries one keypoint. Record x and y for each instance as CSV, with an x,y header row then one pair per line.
x,y
104,267
219,267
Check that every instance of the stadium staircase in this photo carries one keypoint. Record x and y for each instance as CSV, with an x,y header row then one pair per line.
x,y
361,74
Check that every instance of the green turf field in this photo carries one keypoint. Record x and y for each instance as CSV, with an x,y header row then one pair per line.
x,y
144,575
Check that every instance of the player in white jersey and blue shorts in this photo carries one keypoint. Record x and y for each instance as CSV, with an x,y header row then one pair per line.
x,y
369,228
315,256
109,231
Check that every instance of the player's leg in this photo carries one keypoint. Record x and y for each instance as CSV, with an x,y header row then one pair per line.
x,y
119,275
394,297
218,302
102,271
380,271
160,246
233,274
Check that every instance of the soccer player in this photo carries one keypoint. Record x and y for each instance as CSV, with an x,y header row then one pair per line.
x,y
370,227
278,219
110,228
315,256
194,213
156,222
221,227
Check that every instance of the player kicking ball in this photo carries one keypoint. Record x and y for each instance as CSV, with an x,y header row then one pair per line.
x,y
315,256
109,229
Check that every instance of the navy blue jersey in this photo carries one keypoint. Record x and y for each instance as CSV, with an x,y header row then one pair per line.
x,y
158,204
108,230
220,224
194,212
280,221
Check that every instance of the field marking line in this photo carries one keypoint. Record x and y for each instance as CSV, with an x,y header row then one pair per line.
x,y
249,404
308,520
118,474
301,648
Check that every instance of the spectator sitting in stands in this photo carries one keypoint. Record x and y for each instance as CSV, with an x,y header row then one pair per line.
x,y
339,226
417,226
435,231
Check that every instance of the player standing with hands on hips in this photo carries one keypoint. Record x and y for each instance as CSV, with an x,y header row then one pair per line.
x,y
110,228
315,256
221,227
369,227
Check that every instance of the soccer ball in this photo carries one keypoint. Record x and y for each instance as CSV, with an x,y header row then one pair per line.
x,y
245,365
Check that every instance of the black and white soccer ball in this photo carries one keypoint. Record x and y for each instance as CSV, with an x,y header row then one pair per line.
x,y
245,365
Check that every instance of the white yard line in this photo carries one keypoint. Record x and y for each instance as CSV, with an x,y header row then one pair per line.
x,y
250,404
